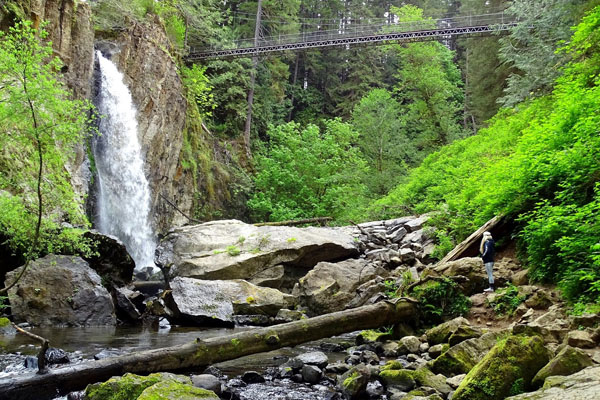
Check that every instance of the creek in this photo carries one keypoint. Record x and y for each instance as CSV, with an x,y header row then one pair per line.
x,y
83,343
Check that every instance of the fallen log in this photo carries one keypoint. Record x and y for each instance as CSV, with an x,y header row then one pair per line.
x,y
200,353
471,243
320,220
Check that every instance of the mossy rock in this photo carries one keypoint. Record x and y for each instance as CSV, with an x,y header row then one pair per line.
x,y
568,361
506,370
441,333
371,336
462,333
6,328
406,379
400,378
461,358
129,386
174,390
354,382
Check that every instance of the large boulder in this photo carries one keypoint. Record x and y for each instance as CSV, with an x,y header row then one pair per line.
x,y
214,302
60,290
330,287
568,361
473,269
461,358
406,379
582,385
161,385
110,259
507,369
231,249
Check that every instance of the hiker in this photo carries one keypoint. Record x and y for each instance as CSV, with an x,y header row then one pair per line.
x,y
487,255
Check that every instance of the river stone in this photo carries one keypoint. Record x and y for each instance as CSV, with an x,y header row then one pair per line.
x,y
56,356
516,358
568,361
125,309
317,358
461,358
353,383
582,385
329,287
231,249
408,345
311,374
60,290
110,259
252,377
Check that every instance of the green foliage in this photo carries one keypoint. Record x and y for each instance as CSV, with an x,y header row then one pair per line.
x,y
507,300
429,89
39,122
233,250
441,300
537,164
306,173
198,88
377,118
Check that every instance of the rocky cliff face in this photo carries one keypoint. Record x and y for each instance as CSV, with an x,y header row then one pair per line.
x,y
151,75
71,31
141,53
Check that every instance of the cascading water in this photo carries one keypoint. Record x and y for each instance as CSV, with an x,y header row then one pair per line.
x,y
123,201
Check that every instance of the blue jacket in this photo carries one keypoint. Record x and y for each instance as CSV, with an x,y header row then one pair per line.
x,y
488,251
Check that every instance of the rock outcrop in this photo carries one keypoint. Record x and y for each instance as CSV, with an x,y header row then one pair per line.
x,y
71,30
231,249
329,287
110,259
60,290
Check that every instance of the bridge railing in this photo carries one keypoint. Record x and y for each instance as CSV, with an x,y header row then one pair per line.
x,y
357,30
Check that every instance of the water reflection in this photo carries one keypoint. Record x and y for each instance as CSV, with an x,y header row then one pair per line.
x,y
91,340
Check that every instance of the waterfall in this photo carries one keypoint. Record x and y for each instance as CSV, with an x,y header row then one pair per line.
x,y
123,198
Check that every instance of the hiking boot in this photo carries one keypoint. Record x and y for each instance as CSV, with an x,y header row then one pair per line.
x,y
488,290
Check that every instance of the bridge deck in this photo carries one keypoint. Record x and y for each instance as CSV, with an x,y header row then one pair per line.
x,y
364,34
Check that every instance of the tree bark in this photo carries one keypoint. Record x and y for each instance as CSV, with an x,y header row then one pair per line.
x,y
200,353
471,242
252,82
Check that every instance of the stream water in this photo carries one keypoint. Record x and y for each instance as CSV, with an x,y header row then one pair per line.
x,y
83,343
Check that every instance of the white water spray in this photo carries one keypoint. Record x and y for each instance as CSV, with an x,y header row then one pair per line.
x,y
123,190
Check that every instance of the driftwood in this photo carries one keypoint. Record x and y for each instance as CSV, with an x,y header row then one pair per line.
x,y
474,238
44,346
295,222
200,353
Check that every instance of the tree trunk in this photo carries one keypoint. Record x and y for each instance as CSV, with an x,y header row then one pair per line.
x,y
252,82
201,353
470,246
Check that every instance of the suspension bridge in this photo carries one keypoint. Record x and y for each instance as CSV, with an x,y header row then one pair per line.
x,y
401,32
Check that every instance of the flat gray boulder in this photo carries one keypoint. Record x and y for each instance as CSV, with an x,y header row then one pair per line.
x,y
216,302
60,290
231,249
582,385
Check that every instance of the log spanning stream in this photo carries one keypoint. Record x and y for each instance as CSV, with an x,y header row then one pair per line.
x,y
204,351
